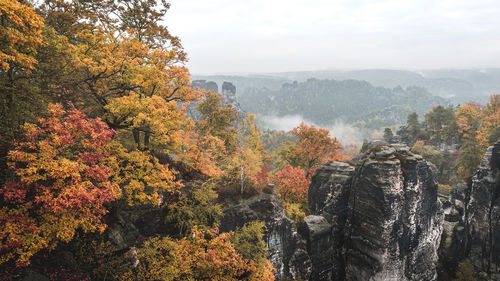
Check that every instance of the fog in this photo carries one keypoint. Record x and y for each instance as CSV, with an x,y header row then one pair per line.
x,y
255,36
345,133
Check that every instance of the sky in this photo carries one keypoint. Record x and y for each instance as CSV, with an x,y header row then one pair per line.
x,y
263,36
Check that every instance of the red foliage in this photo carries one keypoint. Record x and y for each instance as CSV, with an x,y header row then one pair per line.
x,y
61,184
292,184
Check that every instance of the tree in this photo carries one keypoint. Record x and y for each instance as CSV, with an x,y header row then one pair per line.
x,y
126,68
20,36
20,41
198,208
251,154
489,130
142,179
61,185
218,119
249,242
292,184
200,256
465,271
388,135
413,125
470,153
313,148
442,121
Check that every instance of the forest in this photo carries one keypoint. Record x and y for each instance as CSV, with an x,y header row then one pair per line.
x,y
95,133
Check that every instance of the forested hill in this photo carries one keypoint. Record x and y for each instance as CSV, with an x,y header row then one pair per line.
x,y
325,101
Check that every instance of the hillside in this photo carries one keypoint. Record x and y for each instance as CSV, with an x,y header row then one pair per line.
x,y
325,101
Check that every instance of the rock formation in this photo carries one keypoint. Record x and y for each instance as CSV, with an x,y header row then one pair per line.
x,y
203,84
228,92
384,216
287,250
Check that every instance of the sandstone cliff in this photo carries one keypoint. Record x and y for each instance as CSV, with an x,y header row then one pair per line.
x,y
287,250
382,218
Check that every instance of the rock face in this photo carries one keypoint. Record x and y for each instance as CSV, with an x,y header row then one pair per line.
x,y
483,215
287,250
228,92
385,218
205,85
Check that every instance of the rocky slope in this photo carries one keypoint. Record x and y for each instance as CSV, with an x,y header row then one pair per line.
x,y
473,220
381,219
287,250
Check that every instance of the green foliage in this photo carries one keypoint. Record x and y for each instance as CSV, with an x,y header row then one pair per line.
x,y
325,101
388,134
442,121
200,256
248,241
469,157
296,212
495,136
218,119
465,271
99,258
196,207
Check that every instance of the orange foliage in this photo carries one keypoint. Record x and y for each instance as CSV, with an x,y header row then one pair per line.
x,y
20,35
201,256
468,120
490,120
61,185
292,184
314,148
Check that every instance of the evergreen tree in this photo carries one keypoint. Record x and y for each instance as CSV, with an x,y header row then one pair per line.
x,y
413,125
388,135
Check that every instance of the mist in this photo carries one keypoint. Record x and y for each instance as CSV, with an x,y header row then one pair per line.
x,y
345,133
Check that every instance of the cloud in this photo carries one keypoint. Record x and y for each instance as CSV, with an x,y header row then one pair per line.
x,y
277,35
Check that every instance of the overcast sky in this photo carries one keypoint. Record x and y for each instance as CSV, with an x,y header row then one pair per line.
x,y
245,36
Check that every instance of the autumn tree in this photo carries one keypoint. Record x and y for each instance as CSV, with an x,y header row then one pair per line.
x,y
61,184
127,68
209,141
20,36
20,40
200,256
251,154
195,208
218,119
470,153
313,148
142,179
249,242
292,186
489,130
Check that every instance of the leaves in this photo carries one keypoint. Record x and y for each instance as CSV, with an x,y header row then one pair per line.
x,y
62,183
20,35
201,256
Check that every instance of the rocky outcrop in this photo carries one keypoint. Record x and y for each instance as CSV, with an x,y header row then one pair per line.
x,y
287,250
483,215
472,223
228,92
205,85
385,218
128,224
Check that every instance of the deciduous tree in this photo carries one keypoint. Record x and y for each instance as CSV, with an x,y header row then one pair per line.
x,y
61,184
